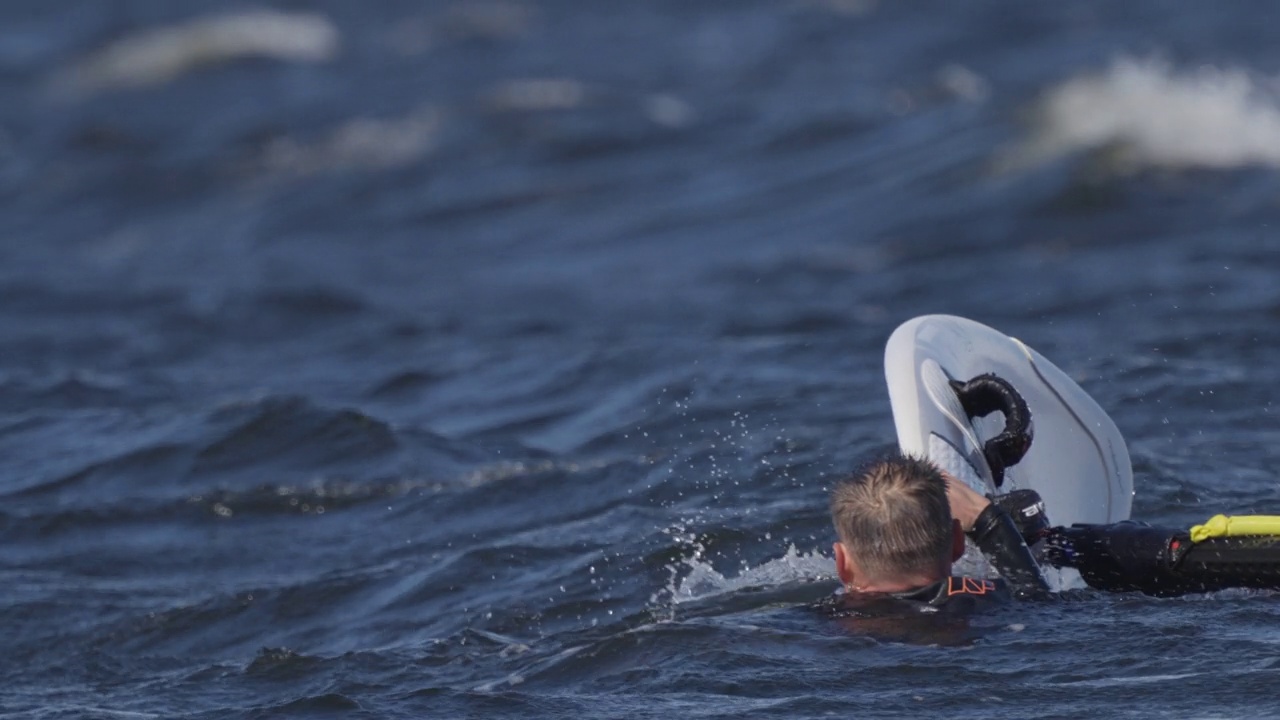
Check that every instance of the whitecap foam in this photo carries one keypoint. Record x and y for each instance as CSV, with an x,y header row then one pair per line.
x,y
1156,117
360,144
157,56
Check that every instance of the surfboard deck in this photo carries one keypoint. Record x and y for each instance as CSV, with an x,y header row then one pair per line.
x,y
1078,461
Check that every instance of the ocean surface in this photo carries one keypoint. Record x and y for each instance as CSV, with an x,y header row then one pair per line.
x,y
493,359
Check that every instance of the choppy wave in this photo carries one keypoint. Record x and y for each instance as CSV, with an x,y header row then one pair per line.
x,y
1145,113
495,363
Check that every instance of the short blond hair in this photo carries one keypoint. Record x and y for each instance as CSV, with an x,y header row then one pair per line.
x,y
894,518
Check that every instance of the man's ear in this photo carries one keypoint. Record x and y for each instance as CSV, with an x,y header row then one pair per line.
x,y
844,563
957,541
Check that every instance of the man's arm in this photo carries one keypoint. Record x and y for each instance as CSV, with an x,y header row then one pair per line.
x,y
1164,561
996,535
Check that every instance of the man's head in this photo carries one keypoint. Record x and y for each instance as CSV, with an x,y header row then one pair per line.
x,y
895,526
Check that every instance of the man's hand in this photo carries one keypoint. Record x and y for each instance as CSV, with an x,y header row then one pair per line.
x,y
966,505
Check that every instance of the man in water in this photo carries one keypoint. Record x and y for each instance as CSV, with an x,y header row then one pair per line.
x,y
901,524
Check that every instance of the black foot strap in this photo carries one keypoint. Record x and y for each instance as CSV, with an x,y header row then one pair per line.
x,y
986,394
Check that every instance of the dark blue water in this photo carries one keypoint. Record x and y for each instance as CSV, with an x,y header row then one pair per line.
x,y
493,359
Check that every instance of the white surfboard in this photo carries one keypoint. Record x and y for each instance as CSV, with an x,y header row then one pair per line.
x,y
1078,461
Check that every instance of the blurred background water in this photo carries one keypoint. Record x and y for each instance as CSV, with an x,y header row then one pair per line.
x,y
492,359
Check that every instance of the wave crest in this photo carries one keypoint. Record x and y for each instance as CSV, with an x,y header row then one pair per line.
x,y
1152,116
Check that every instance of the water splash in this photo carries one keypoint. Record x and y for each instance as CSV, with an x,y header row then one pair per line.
x,y
701,581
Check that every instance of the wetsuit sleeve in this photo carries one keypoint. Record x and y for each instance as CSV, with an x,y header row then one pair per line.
x,y
996,535
1163,561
